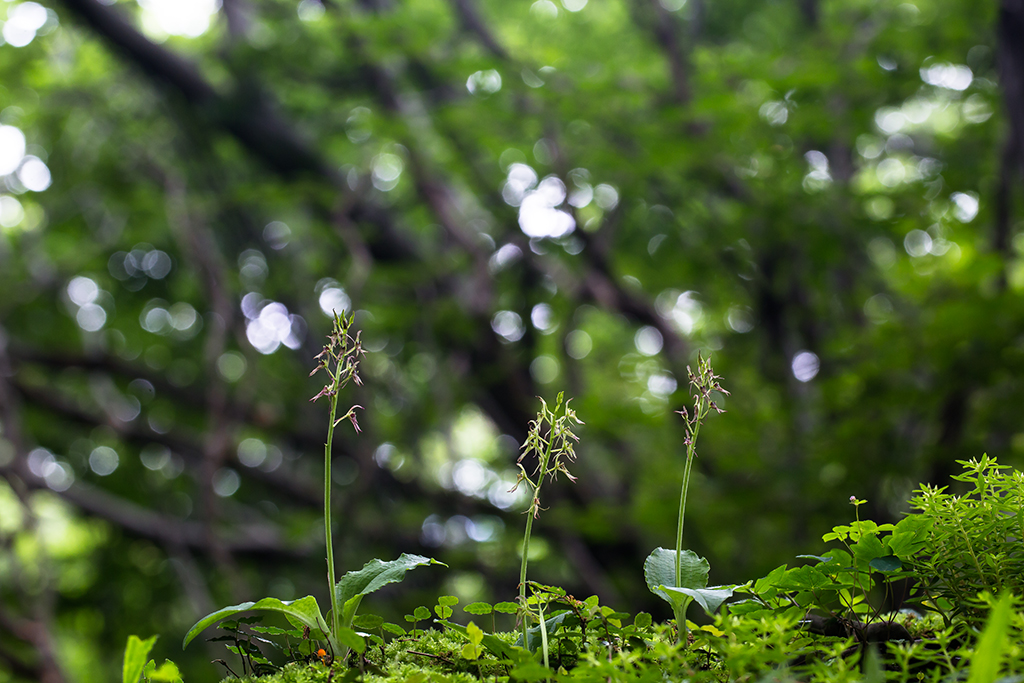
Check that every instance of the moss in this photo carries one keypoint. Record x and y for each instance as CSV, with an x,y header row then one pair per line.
x,y
434,657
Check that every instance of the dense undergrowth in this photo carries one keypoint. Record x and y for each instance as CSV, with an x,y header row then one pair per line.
x,y
911,601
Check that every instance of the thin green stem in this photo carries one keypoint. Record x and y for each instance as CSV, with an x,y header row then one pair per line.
x,y
970,547
526,551
531,514
335,611
691,451
543,638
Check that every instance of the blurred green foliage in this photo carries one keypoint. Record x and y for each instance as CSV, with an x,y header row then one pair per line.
x,y
814,191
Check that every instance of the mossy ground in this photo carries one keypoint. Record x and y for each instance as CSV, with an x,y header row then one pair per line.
x,y
434,656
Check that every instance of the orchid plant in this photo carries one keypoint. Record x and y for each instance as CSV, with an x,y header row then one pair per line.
x,y
340,360
681,577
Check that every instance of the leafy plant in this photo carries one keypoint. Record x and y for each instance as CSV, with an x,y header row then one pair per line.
x,y
553,448
682,577
821,620
830,595
974,539
484,608
340,360
138,666
419,614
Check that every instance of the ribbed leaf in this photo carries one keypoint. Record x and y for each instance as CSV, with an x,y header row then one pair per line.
x,y
708,598
374,575
304,610
660,570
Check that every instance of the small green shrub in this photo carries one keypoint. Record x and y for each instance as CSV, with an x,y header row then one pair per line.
x,y
974,540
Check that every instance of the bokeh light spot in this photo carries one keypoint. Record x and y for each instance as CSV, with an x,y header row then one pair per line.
x,y
578,344
648,340
226,482
231,365
190,18
34,174
508,325
252,452
12,149
805,366
484,82
103,461
544,369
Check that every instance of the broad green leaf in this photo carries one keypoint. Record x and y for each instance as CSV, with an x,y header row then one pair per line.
x,y
642,620
808,577
866,527
988,654
506,607
889,563
770,580
368,622
840,558
374,575
478,608
304,610
708,598
660,570
867,549
393,629
136,652
351,639
909,536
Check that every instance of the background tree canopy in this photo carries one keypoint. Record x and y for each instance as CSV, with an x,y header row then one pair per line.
x,y
515,198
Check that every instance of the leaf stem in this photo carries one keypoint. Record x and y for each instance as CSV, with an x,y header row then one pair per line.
x,y
691,450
